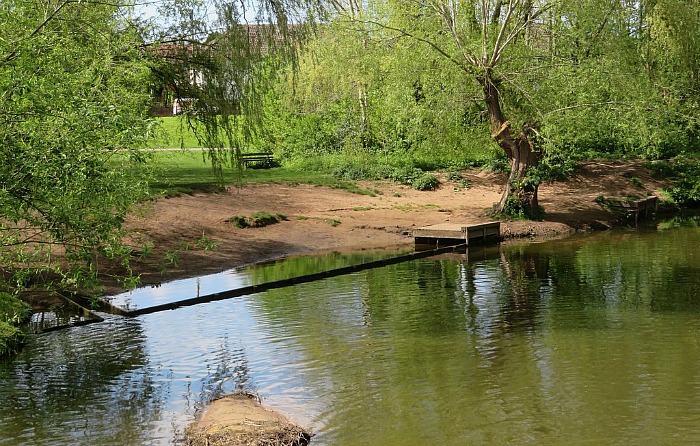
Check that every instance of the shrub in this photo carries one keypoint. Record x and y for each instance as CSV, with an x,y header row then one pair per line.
x,y
405,175
260,219
10,339
13,311
685,173
256,220
238,221
426,181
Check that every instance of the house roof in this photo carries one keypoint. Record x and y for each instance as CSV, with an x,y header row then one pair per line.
x,y
253,38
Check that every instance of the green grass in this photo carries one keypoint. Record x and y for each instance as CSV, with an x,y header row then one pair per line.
x,y
256,220
174,172
173,131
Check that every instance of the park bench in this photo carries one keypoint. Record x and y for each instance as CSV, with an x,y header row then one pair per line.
x,y
260,159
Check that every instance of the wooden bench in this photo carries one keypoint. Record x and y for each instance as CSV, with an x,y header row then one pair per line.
x,y
262,159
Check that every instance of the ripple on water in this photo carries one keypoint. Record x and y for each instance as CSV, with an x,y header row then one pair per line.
x,y
544,345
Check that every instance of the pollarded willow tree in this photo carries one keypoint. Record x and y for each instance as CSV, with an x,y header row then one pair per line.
x,y
540,69
476,36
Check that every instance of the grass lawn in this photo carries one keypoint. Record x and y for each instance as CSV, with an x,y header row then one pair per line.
x,y
186,171
172,132
174,172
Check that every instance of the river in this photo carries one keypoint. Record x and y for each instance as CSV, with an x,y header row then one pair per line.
x,y
590,340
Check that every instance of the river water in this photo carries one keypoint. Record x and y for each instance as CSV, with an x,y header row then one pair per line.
x,y
592,340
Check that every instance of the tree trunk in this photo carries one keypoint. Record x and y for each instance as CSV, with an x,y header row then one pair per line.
x,y
520,193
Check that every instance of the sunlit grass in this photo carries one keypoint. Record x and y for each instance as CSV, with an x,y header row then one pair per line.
x,y
173,132
173,172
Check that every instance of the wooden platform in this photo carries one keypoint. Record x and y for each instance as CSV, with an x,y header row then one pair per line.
x,y
447,234
634,208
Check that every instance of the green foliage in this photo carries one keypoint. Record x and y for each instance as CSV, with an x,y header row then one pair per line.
x,y
11,339
71,98
515,209
685,173
554,165
239,221
205,243
260,219
405,175
221,59
13,311
295,135
359,95
588,77
380,168
425,181
637,182
363,169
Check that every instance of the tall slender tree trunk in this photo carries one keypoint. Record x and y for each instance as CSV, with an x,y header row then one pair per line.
x,y
364,104
519,191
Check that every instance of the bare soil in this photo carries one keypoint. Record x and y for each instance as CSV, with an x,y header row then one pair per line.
x,y
192,235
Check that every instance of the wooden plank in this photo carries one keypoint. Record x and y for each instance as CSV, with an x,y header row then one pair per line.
x,y
252,289
451,233
634,207
443,230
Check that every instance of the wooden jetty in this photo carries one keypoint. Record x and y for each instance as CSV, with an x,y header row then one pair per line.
x,y
634,208
450,234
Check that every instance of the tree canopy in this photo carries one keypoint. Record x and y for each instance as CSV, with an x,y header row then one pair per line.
x,y
221,57
550,81
73,106
76,84
544,82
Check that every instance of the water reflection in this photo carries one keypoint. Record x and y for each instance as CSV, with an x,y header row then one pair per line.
x,y
595,339
79,381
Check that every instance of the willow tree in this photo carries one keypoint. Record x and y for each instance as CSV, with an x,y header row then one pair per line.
x,y
74,103
476,36
670,31
73,113
220,57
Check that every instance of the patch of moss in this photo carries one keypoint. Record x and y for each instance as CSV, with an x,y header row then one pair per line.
x,y
260,219
256,220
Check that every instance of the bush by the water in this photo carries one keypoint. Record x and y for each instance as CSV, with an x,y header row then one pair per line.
x,y
685,173
372,168
13,311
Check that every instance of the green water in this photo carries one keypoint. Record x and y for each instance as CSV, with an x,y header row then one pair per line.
x,y
593,340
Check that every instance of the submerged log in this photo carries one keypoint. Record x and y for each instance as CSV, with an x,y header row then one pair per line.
x,y
240,420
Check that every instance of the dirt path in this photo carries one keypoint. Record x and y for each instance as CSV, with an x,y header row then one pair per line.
x,y
191,235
